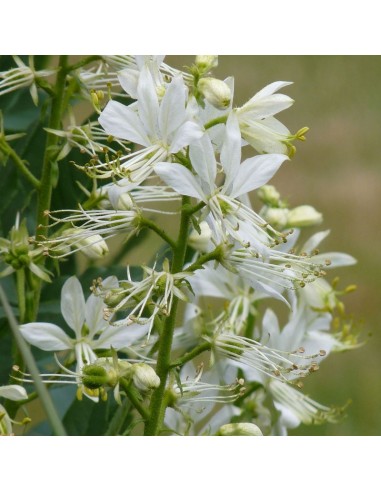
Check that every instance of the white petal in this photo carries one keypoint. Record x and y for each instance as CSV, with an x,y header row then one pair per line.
x,y
267,136
231,149
95,306
13,392
120,337
270,329
256,172
186,134
335,259
120,121
179,178
314,241
128,79
270,89
203,160
73,305
148,102
172,108
268,106
46,336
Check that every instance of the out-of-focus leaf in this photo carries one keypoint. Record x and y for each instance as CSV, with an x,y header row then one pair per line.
x,y
88,418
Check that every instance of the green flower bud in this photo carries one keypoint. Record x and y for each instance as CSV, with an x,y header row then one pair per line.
x,y
216,92
241,429
94,376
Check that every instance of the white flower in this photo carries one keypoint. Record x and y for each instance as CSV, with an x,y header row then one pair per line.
x,y
161,127
156,291
258,126
89,139
296,408
224,284
22,76
94,226
227,212
86,320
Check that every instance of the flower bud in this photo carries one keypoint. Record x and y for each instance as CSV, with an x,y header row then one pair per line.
x,y
241,429
216,92
92,246
304,216
125,202
200,242
204,63
269,195
277,217
144,377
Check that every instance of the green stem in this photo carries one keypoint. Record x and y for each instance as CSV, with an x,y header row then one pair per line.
x,y
46,184
85,61
47,177
216,254
20,282
20,164
158,402
126,385
216,121
191,355
160,232
42,391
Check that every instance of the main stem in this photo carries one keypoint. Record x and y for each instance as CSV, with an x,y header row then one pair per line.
x,y
158,402
46,182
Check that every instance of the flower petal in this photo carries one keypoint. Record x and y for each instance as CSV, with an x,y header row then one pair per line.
x,y
186,134
256,172
172,107
120,121
13,392
148,104
231,149
179,178
120,337
46,336
73,305
203,160
94,309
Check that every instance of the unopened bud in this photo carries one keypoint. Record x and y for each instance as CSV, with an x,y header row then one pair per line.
x,y
269,195
277,217
242,429
200,242
144,377
125,202
304,216
204,63
92,246
216,92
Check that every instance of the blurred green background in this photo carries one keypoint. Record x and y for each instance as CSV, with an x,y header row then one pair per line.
x,y
338,171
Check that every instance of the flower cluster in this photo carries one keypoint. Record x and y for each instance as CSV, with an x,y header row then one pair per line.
x,y
178,137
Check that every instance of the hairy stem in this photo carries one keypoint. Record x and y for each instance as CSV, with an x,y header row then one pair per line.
x,y
158,402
